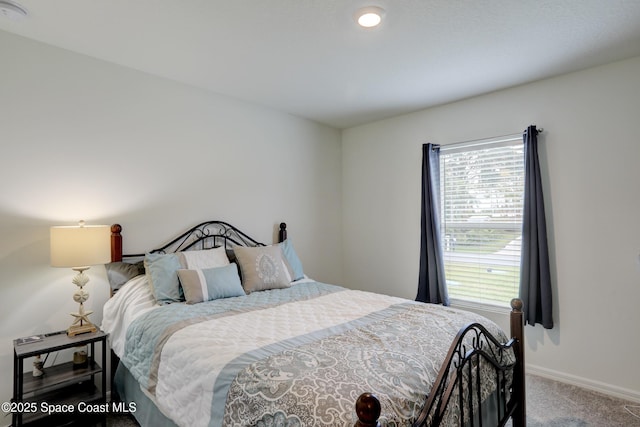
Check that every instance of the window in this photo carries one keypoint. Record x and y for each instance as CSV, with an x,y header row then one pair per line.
x,y
482,193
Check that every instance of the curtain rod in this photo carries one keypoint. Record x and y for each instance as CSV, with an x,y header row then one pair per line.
x,y
484,141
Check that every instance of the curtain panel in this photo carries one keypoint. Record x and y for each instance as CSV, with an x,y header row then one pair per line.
x,y
432,287
535,275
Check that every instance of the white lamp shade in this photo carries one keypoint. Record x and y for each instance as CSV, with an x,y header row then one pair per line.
x,y
80,246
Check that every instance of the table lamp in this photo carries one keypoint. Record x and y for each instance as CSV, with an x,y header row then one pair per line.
x,y
79,247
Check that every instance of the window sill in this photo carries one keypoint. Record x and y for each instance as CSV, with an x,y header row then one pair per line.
x,y
477,306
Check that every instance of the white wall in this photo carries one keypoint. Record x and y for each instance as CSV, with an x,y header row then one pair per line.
x,y
84,139
590,154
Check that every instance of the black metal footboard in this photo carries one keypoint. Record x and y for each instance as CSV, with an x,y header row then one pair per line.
x,y
474,384
480,383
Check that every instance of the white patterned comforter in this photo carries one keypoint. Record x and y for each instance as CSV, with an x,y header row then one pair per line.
x,y
291,357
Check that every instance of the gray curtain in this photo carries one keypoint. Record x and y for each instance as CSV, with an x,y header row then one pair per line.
x,y
432,287
535,276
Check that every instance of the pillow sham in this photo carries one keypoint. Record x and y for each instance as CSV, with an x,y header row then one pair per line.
x,y
262,268
294,262
201,259
162,272
119,273
210,283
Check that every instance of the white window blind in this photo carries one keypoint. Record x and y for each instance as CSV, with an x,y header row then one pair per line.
x,y
482,191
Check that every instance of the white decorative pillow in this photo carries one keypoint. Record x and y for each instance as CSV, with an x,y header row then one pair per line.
x,y
210,283
262,268
207,258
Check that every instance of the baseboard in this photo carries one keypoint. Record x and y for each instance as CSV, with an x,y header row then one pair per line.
x,y
600,387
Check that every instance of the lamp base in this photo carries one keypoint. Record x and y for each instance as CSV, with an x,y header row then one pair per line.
x,y
81,329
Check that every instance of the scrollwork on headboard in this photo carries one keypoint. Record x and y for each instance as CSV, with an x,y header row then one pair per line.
x,y
206,235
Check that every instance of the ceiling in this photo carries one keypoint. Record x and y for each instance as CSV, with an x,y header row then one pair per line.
x,y
309,58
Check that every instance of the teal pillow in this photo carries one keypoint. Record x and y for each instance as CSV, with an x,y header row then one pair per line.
x,y
162,272
293,260
211,283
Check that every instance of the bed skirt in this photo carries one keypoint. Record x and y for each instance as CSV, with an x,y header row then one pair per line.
x,y
146,413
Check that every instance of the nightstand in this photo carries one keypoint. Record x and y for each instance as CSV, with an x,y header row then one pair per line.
x,y
65,392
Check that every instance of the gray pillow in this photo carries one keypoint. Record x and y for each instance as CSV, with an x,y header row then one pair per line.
x,y
119,273
262,268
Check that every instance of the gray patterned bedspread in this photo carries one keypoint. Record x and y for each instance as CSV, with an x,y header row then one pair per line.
x,y
292,357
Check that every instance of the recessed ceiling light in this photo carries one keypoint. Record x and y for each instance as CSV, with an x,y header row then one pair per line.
x,y
12,10
369,17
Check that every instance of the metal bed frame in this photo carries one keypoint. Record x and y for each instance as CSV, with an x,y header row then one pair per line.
x,y
459,380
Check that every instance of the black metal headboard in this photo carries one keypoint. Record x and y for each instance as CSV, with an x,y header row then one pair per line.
x,y
207,235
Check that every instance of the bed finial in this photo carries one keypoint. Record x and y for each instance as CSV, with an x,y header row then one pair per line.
x,y
368,410
282,234
116,243
516,304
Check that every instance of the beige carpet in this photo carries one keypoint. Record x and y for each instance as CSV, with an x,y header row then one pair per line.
x,y
549,404
554,404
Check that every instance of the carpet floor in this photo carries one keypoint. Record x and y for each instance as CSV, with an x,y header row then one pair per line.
x,y
555,404
549,404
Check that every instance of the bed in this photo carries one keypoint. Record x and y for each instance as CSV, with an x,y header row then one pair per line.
x,y
217,329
